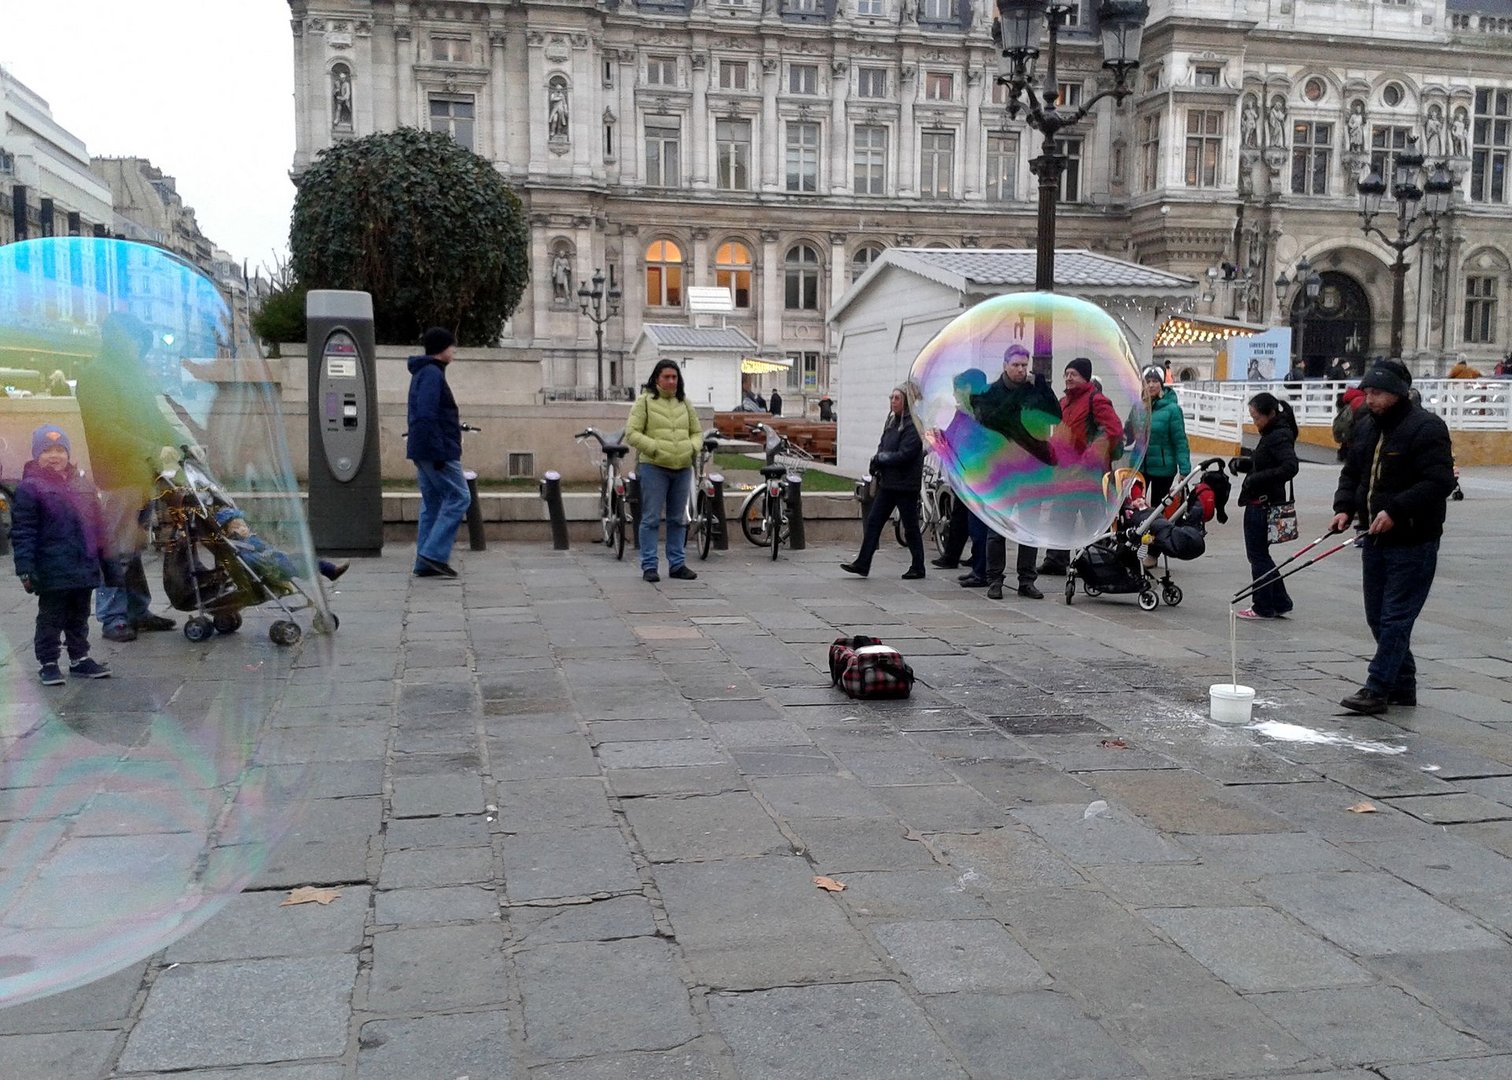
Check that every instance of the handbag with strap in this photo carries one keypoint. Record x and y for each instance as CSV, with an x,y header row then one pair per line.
x,y
865,668
1281,519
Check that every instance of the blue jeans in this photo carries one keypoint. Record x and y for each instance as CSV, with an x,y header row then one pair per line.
x,y
1272,599
663,490
444,499
123,517
1397,580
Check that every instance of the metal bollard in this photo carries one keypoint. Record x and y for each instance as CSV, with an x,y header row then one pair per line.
x,y
475,538
551,491
632,496
722,526
795,511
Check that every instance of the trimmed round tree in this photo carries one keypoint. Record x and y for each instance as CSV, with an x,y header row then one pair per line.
x,y
428,227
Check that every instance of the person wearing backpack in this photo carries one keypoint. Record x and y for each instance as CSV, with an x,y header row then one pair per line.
x,y
1348,405
1090,435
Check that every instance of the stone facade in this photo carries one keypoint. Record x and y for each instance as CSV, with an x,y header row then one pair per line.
x,y
45,182
776,146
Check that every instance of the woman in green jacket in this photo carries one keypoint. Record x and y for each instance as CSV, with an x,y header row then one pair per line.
x,y
1167,456
663,428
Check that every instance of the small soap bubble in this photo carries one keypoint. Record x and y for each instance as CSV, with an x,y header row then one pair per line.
x,y
988,394
136,806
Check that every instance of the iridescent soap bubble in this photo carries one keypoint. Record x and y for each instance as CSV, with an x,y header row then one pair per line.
x,y
1003,445
133,808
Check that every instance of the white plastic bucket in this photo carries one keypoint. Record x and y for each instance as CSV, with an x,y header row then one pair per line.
x,y
1231,703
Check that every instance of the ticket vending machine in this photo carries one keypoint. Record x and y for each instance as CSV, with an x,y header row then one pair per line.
x,y
346,489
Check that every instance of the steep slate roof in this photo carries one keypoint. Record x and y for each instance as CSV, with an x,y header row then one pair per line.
x,y
704,338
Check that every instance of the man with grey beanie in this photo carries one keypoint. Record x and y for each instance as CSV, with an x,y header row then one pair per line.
x,y
1394,486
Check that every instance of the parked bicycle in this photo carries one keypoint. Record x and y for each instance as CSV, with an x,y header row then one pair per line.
x,y
614,508
704,525
763,514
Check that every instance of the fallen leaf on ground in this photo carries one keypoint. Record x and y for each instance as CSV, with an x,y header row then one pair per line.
x,y
1362,808
829,884
1113,744
309,894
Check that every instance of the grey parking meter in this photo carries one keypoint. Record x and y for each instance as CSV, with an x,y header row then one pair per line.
x,y
346,488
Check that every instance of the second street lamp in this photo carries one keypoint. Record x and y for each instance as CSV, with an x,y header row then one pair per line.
x,y
1419,205
1309,284
599,305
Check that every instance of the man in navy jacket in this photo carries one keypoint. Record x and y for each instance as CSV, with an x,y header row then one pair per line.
x,y
435,446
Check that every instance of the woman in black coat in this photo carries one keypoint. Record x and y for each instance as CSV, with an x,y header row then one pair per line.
x,y
898,467
1266,474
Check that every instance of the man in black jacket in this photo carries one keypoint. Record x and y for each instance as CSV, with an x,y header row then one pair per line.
x,y
1395,485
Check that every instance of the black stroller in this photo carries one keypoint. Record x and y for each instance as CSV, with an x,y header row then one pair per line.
x,y
187,533
1114,562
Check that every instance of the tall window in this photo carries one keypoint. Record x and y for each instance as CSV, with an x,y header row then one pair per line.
x,y
733,74
938,10
803,78
453,115
1312,148
871,82
732,270
1071,150
451,50
801,279
938,86
1149,152
802,156
865,255
1480,310
871,159
663,139
1492,145
664,270
1385,144
608,140
870,7
1068,95
936,164
661,71
1002,166
1204,148
732,148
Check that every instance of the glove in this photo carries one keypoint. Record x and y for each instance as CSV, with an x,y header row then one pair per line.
x,y
26,582
1240,465
439,465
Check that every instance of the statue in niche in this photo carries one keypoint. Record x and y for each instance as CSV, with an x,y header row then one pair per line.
x,y
1275,122
1249,122
341,97
557,119
1433,132
1354,127
1459,134
561,277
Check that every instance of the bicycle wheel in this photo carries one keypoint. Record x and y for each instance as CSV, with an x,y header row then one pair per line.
x,y
897,524
944,505
620,528
753,517
775,524
608,514
706,526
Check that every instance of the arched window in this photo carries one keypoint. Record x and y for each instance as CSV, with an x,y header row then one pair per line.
x,y
801,278
664,270
864,256
732,270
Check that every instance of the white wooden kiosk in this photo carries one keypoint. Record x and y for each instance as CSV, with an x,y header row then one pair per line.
x,y
711,357
908,294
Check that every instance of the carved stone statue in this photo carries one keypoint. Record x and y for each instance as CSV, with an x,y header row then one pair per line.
x,y
1459,134
557,118
1249,123
341,97
1433,132
561,277
1354,127
1275,122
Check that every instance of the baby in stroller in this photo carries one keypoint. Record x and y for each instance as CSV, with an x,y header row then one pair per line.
x,y
261,556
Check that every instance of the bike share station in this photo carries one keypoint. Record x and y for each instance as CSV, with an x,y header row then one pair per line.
x,y
346,481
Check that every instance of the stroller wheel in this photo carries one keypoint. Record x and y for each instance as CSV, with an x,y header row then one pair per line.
x,y
284,632
1148,601
1171,594
324,623
1070,589
228,623
198,629
1091,591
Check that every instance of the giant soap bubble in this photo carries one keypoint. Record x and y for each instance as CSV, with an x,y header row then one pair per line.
x,y
993,415
134,807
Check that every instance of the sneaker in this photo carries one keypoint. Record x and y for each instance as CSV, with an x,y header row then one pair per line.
x,y
50,675
1252,614
852,568
119,632
913,573
652,576
151,623
442,568
1365,700
682,573
995,591
945,564
1031,592
88,668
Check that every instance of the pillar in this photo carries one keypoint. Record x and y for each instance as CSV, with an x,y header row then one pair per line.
x,y
699,120
770,132
498,131
771,292
840,173
908,164
974,136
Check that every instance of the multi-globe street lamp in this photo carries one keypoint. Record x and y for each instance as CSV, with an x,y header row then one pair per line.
x,y
599,305
1422,197
1309,284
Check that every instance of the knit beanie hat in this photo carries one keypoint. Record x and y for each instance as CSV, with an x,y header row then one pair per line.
x,y
226,515
49,435
437,340
1082,366
1389,375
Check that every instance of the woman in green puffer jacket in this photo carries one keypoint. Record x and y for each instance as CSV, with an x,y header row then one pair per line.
x,y
663,428
1167,456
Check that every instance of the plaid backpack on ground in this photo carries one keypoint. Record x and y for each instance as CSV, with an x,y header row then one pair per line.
x,y
865,668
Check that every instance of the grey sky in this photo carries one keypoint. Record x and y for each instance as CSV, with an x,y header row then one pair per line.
x,y
203,88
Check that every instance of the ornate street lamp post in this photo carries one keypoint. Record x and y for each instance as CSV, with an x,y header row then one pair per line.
x,y
1309,283
599,305
1016,33
1419,205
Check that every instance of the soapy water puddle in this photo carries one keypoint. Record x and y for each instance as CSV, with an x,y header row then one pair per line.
x,y
1281,731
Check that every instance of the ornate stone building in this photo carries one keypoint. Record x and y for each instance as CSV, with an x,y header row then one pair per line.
x,y
776,146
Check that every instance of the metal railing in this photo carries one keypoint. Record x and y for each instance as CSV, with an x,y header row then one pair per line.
x,y
1465,404
1213,413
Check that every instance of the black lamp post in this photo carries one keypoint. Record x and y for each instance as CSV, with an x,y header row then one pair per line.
x,y
1016,34
1310,284
1420,202
599,305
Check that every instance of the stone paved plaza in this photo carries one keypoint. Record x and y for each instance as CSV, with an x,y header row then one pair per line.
x,y
575,820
